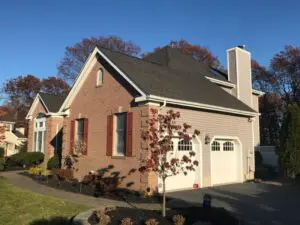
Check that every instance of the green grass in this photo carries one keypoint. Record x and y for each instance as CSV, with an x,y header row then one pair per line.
x,y
21,207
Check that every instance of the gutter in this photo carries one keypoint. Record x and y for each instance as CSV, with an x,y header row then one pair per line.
x,y
194,105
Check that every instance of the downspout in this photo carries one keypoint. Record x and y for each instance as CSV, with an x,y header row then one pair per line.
x,y
163,105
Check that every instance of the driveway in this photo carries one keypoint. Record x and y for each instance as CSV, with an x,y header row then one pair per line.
x,y
271,203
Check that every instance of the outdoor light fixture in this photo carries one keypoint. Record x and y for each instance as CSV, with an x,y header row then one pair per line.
x,y
207,139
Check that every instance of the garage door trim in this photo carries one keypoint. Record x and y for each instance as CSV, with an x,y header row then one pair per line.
x,y
237,148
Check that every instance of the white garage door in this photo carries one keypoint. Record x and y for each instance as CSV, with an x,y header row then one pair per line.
x,y
181,181
224,162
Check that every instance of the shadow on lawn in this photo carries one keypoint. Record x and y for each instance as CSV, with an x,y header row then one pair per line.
x,y
52,221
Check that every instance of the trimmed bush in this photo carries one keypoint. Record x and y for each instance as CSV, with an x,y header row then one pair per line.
x,y
25,158
258,159
53,163
2,152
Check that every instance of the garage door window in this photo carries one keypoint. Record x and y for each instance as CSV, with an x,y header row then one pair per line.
x,y
215,146
184,145
228,146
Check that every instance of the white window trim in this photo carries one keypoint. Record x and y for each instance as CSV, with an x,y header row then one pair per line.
x,y
222,142
76,129
99,81
115,136
185,144
37,129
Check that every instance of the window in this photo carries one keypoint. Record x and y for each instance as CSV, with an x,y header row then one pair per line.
x,y
215,146
79,130
185,145
228,146
39,134
120,134
100,77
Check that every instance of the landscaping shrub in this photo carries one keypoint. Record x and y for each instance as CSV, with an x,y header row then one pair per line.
x,y
35,170
178,220
2,165
126,221
53,163
1,152
151,221
25,158
258,159
23,147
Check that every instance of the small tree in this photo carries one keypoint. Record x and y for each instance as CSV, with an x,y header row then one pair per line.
x,y
289,151
162,129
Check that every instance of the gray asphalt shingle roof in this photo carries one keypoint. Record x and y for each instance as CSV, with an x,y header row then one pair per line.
x,y
159,79
53,102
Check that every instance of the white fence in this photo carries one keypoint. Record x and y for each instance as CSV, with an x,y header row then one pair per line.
x,y
269,155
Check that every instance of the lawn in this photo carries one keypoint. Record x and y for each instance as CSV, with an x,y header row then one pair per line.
x,y
21,207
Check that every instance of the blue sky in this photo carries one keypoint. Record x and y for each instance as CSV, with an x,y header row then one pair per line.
x,y
34,34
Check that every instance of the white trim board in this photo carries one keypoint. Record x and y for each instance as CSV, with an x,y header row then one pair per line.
x,y
195,105
34,104
231,85
84,73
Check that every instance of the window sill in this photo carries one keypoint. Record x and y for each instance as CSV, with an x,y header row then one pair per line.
x,y
118,157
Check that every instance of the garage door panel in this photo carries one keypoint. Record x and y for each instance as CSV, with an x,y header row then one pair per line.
x,y
181,181
224,162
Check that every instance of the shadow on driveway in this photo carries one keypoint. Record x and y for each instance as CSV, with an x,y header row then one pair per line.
x,y
252,202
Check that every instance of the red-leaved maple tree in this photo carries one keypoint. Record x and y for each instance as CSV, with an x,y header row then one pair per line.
x,y
162,128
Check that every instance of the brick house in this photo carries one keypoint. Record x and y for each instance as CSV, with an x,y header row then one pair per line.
x,y
109,105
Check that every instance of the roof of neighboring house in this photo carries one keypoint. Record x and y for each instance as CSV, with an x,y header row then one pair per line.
x,y
19,134
157,78
52,102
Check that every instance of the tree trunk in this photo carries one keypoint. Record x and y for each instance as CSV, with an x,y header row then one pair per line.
x,y
164,198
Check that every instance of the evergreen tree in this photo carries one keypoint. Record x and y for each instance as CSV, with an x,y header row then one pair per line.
x,y
289,151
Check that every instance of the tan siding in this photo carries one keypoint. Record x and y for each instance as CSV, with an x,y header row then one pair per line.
x,y
244,73
232,70
256,121
214,124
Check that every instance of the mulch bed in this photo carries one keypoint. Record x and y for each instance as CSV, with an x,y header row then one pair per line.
x,y
139,216
76,187
216,216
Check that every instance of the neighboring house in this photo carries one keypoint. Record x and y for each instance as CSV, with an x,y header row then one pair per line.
x,y
14,136
109,105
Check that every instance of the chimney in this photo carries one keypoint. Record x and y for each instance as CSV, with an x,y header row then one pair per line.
x,y
239,73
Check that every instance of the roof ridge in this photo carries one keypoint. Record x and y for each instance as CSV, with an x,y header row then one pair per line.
x,y
59,95
131,56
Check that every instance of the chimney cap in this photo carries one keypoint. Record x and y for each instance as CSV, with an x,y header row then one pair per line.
x,y
242,46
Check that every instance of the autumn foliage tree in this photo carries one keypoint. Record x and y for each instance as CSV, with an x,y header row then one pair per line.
x,y
76,55
161,158
22,90
285,70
